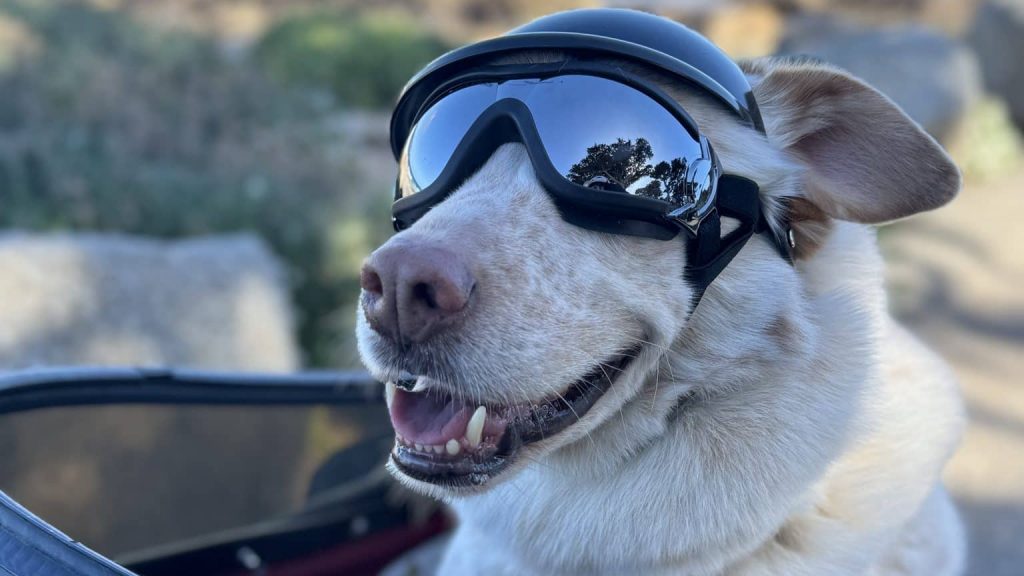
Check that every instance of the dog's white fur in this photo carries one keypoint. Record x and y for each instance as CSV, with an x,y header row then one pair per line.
x,y
788,426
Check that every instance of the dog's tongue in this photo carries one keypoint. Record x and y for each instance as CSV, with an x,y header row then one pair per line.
x,y
427,418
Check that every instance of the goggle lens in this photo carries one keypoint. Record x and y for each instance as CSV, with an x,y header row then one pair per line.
x,y
596,132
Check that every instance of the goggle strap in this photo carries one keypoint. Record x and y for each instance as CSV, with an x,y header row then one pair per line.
x,y
709,253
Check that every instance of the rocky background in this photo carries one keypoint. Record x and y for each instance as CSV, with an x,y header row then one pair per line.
x,y
194,183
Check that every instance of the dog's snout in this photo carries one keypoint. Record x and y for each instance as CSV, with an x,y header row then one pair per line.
x,y
412,291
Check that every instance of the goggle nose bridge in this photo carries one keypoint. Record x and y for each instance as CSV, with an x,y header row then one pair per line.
x,y
505,121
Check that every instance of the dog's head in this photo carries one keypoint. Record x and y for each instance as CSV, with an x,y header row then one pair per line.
x,y
516,338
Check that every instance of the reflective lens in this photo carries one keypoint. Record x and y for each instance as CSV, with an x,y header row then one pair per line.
x,y
596,132
438,132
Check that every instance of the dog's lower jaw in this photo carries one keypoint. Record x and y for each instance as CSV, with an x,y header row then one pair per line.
x,y
683,504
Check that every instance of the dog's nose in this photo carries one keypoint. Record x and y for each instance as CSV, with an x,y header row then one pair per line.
x,y
411,291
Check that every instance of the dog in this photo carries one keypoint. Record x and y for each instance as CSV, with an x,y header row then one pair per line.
x,y
787,425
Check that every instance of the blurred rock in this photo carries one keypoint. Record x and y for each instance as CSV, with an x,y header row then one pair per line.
x,y
950,16
815,30
217,303
933,78
742,30
121,477
997,36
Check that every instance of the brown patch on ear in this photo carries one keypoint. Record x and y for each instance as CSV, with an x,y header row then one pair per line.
x,y
866,160
811,226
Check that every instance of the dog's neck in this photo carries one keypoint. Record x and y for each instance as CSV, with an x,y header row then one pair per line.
x,y
695,486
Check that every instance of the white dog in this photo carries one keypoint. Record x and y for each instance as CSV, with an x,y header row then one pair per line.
x,y
787,425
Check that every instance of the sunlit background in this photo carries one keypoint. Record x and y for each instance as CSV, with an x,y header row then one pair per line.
x,y
194,183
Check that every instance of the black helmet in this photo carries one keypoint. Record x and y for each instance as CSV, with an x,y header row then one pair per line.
x,y
612,32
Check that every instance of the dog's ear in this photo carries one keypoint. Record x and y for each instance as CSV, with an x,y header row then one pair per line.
x,y
866,160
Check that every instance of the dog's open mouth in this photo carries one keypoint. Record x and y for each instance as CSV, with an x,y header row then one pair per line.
x,y
446,440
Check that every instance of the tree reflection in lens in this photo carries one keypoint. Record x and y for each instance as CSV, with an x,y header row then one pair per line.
x,y
625,163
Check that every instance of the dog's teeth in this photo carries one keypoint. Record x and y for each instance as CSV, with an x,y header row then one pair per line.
x,y
437,448
475,428
452,447
419,447
389,392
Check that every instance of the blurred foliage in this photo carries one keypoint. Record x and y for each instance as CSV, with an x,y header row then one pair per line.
x,y
364,59
112,126
987,145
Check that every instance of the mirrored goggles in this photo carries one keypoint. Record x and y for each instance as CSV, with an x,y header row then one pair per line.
x,y
614,156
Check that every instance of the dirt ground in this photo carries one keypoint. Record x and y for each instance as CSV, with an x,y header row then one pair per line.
x,y
956,278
